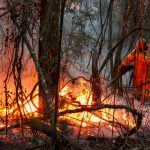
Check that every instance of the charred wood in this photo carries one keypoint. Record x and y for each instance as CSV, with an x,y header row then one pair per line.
x,y
48,130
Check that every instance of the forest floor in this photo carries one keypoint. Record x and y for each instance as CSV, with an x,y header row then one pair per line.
x,y
138,142
33,140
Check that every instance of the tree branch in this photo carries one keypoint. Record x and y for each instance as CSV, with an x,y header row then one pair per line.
x,y
35,60
134,112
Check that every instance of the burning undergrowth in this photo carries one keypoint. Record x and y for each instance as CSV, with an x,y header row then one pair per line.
x,y
109,117
79,117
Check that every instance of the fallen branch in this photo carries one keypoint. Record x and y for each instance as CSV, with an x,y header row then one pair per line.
x,y
48,130
134,112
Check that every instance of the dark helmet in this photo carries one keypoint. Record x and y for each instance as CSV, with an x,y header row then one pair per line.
x,y
141,44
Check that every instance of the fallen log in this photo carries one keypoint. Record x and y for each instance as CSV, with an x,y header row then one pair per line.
x,y
38,125
48,129
134,112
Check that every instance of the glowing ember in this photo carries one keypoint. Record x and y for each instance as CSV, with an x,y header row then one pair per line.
x,y
2,125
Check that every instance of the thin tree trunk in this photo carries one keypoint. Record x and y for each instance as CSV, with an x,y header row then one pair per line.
x,y
96,89
127,11
110,39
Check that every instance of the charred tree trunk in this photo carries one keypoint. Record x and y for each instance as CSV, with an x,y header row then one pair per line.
x,y
49,45
96,89
126,15
38,125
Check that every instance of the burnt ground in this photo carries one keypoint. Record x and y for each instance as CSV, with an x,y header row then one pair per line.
x,y
93,144
131,143
139,141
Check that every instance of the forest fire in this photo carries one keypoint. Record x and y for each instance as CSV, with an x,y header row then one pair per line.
x,y
74,74
73,99
27,108
82,99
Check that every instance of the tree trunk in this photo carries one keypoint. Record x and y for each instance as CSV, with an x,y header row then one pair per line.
x,y
49,45
96,88
127,12
110,39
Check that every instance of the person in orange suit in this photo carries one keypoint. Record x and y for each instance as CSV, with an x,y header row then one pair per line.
x,y
140,57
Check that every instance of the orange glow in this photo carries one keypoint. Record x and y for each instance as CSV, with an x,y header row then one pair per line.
x,y
83,97
27,108
63,91
75,97
2,125
129,120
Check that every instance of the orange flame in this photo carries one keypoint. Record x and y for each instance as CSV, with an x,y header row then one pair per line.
x,y
26,107
128,120
75,98
83,96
